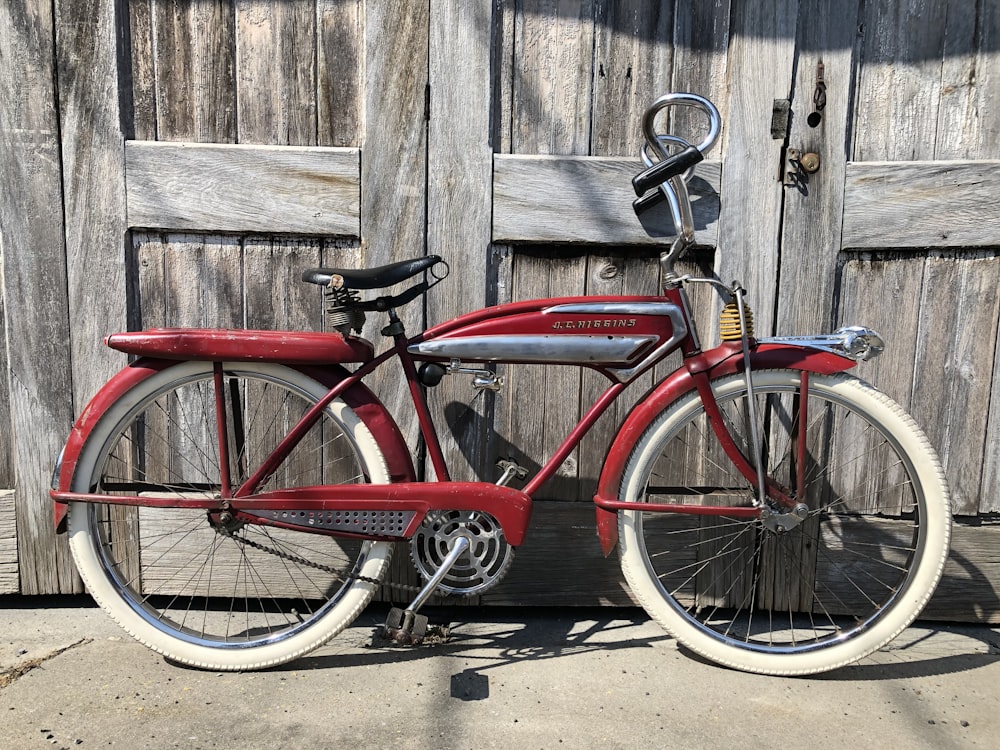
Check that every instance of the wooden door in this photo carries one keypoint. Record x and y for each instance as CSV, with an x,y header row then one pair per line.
x,y
199,154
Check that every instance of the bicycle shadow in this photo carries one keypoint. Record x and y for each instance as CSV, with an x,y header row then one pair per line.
x,y
503,638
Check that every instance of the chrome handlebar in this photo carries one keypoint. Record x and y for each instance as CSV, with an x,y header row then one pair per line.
x,y
686,100
667,173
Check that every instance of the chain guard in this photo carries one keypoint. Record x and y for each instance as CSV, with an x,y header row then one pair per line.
x,y
484,564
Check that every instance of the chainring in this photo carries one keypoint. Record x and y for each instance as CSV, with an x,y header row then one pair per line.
x,y
480,568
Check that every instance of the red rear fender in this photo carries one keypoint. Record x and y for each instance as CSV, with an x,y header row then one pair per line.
x,y
364,403
284,347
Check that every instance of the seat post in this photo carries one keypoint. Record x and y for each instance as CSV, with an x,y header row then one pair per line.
x,y
395,329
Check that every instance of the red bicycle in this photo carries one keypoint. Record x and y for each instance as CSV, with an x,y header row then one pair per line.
x,y
233,496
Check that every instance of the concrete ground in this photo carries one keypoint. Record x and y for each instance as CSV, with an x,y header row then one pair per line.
x,y
525,678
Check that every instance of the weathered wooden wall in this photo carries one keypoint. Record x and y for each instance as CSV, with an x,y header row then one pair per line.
x,y
200,153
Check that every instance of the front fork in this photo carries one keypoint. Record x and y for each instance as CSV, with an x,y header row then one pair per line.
x,y
754,472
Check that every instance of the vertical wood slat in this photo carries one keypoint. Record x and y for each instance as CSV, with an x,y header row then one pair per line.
x,y
32,244
194,92
9,569
633,61
955,349
189,280
276,44
7,465
275,72
139,105
813,203
761,55
966,130
394,163
551,113
93,157
340,71
701,43
633,64
393,182
879,290
460,171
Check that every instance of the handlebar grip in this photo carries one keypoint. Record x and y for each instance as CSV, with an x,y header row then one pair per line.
x,y
664,170
646,202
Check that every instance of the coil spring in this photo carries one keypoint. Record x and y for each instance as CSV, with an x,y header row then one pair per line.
x,y
340,311
729,322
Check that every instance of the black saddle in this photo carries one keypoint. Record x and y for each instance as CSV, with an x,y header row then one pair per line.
x,y
372,278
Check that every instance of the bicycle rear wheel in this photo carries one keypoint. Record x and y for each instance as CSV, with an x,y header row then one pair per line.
x,y
747,593
243,597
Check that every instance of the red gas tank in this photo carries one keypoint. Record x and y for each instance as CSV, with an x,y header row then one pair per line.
x,y
618,334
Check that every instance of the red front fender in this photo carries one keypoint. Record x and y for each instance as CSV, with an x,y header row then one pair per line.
x,y
364,403
723,360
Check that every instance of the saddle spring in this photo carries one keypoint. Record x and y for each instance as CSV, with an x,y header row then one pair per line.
x,y
341,310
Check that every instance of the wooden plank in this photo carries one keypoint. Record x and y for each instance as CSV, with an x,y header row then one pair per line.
x,y
394,168
90,121
969,128
969,587
229,188
551,107
543,402
194,65
189,280
394,183
921,204
340,55
955,356
458,210
551,113
882,292
967,121
561,564
761,60
813,203
276,73
140,111
32,238
9,578
897,92
276,297
989,501
701,58
611,273
898,84
636,50
7,467
633,60
573,199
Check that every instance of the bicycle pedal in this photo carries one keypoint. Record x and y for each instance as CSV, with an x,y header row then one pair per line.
x,y
510,469
405,626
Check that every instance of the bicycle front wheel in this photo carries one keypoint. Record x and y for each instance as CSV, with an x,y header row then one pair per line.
x,y
223,598
787,594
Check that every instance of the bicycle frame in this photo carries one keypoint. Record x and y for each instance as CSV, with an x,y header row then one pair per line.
x,y
620,337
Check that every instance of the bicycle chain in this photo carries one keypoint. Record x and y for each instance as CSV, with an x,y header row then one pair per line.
x,y
318,566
